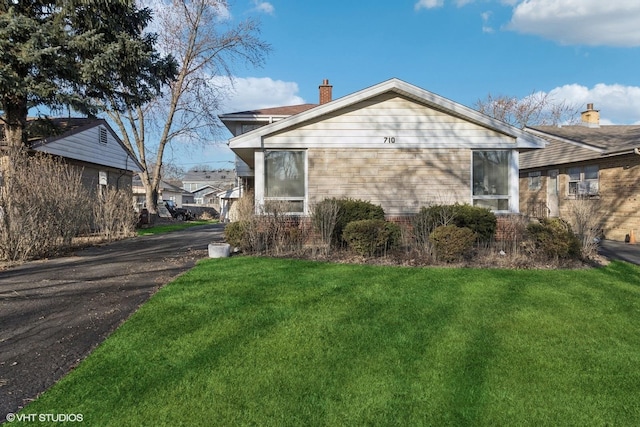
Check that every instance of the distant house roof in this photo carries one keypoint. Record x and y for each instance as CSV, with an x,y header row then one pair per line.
x,y
232,193
210,175
205,191
164,185
279,111
287,111
570,144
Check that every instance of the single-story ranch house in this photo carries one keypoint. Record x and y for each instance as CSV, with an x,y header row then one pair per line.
x,y
393,144
86,143
586,163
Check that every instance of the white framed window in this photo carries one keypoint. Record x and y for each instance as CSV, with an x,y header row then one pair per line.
x,y
285,178
490,177
534,181
583,181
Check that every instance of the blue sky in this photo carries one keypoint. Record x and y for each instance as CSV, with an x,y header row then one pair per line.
x,y
577,51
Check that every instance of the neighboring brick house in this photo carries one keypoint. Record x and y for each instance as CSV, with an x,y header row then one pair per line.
x,y
597,164
393,144
86,143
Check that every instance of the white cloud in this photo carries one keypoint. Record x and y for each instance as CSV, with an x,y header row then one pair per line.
x,y
581,22
264,7
249,93
432,4
428,4
486,27
618,104
568,22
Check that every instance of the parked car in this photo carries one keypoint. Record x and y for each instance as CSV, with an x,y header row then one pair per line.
x,y
180,214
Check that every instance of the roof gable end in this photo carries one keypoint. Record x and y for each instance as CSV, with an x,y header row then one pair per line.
x,y
420,96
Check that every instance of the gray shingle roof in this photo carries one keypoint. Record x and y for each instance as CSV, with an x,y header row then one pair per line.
x,y
569,144
288,110
210,175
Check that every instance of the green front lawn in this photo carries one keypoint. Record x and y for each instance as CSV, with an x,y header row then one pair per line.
x,y
165,228
276,342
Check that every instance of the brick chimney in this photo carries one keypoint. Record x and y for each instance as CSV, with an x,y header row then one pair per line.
x,y
590,117
325,92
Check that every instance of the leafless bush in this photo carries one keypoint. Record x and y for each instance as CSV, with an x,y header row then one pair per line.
x,y
586,219
113,213
324,217
427,220
281,233
270,231
511,235
244,208
43,205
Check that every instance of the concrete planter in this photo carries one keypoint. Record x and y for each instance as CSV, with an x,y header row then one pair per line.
x,y
219,250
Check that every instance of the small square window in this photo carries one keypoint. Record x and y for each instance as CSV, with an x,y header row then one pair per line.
x,y
574,174
583,181
591,172
534,181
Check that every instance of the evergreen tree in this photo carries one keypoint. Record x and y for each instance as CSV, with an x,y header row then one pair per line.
x,y
86,55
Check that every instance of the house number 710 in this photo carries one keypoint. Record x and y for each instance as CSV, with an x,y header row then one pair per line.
x,y
389,140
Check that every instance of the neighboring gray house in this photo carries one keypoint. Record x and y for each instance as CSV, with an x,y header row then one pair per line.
x,y
167,191
394,144
205,184
86,143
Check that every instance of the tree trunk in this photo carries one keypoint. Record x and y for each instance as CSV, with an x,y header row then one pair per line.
x,y
15,120
151,192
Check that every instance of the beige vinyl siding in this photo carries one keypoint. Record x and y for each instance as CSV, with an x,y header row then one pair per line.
x,y
401,181
85,146
368,123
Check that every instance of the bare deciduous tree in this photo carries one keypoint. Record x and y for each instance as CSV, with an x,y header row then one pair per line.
x,y
207,44
538,108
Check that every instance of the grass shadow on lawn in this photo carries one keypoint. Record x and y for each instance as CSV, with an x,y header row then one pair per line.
x,y
263,341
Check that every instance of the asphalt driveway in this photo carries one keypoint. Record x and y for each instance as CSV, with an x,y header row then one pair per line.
x,y
53,313
620,251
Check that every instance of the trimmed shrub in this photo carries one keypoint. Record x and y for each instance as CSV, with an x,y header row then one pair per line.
x,y
452,243
236,234
481,221
427,219
350,210
554,239
371,236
